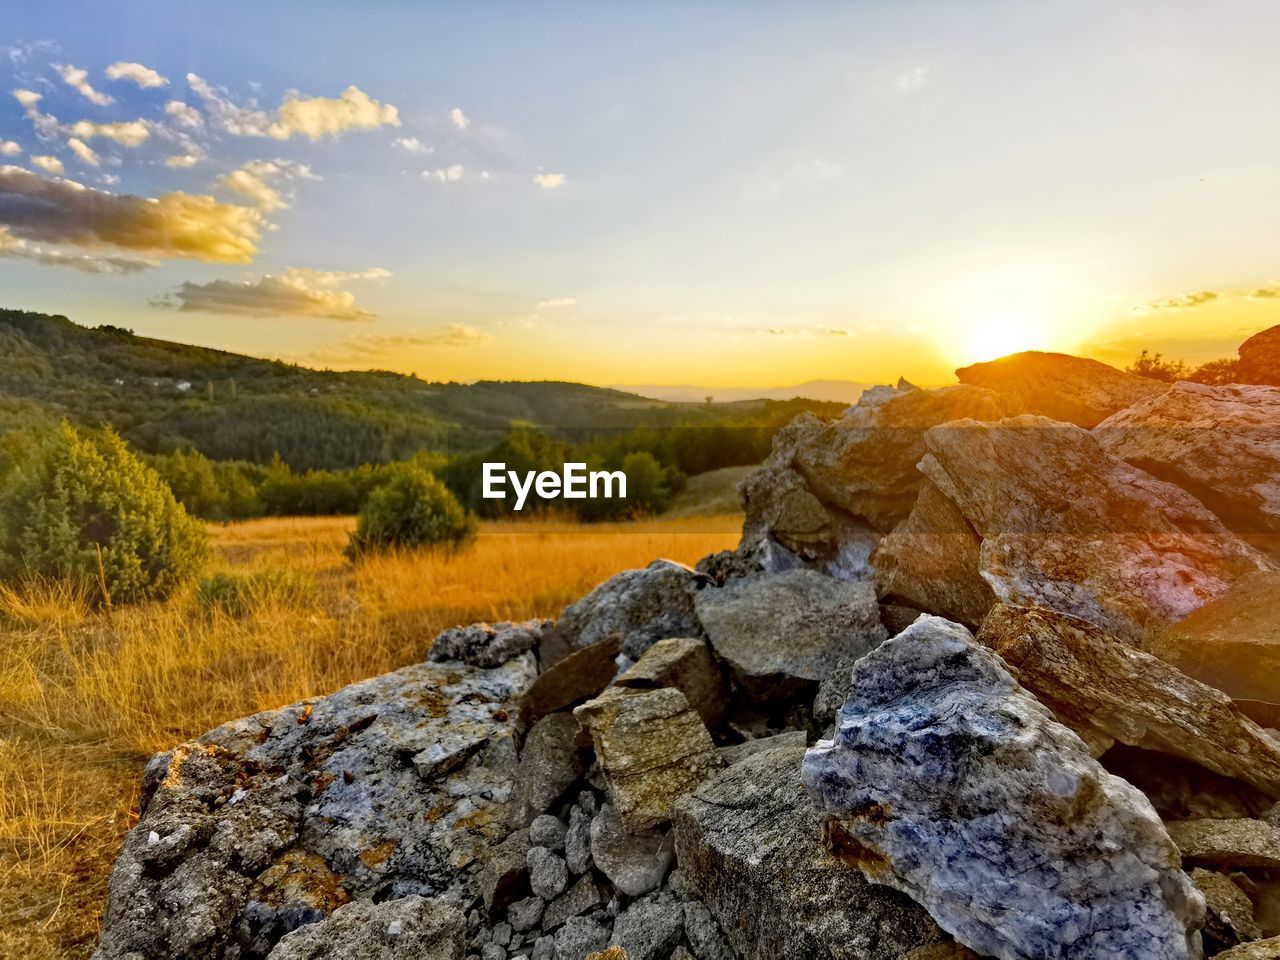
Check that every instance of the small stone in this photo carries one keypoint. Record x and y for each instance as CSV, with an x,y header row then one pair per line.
x,y
649,929
579,938
547,831
488,644
634,862
577,840
524,914
551,761
501,934
505,874
491,951
680,953
1230,919
613,953
704,934
581,898
548,875
1250,844
544,948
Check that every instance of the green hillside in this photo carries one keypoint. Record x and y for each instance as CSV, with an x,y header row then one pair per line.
x,y
164,396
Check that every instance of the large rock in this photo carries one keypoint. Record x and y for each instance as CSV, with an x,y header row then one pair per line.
x,y
948,781
748,842
1056,385
1100,686
782,634
652,747
488,644
409,927
1260,358
1248,844
553,758
634,862
1220,443
1069,527
932,562
577,677
1257,950
387,788
1233,644
685,664
636,608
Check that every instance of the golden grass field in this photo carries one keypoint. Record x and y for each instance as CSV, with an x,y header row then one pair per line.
x,y
86,697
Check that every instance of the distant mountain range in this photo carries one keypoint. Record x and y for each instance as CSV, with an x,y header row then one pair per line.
x,y
826,391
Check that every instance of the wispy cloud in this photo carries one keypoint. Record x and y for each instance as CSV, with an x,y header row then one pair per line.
x,y
83,151
255,180
48,164
550,181
412,145
314,294
311,117
131,133
181,161
11,246
8,148
144,77
79,80
911,80
460,119
557,302
450,174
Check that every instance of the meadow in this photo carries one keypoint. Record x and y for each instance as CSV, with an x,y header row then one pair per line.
x,y
87,696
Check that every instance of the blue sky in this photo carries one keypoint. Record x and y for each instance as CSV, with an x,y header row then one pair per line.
x,y
716,193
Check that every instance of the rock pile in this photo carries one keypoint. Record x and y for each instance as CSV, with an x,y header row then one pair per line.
x,y
976,682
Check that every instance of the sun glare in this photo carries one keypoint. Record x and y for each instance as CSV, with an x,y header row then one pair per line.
x,y
1001,334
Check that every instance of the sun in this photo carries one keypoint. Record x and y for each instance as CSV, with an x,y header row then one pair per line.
x,y
1001,334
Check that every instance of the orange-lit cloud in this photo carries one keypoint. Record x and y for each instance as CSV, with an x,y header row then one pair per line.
x,y
311,117
295,293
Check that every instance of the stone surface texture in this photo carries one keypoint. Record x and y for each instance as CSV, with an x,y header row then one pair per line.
x,y
636,608
488,644
408,927
1260,358
947,780
1228,843
686,665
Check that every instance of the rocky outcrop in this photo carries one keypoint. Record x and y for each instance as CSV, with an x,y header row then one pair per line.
x,y
1061,387
1260,358
636,608
409,927
1105,689
1066,526
1220,443
488,644
932,561
652,747
948,781
749,842
276,820
780,635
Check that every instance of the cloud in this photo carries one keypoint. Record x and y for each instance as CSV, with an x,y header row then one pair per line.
x,y
912,80
182,161
30,101
83,151
295,293
11,246
253,180
130,133
184,114
373,347
48,164
550,181
1186,301
173,225
412,145
557,302
9,148
1265,293
446,174
79,79
312,117
460,119
144,77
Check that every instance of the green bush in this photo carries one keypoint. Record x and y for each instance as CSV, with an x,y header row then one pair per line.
x,y
81,506
413,509
239,594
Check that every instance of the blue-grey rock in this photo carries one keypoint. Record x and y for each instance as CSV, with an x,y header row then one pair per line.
x,y
650,928
579,937
488,644
948,781
636,608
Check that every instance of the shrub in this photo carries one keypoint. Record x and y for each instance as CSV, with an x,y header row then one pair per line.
x,y
81,506
1156,367
413,509
239,594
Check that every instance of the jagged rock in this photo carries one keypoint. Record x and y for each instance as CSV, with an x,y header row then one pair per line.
x,y
275,820
1230,913
780,635
1233,644
931,561
524,914
577,677
504,875
1068,527
635,863
547,831
1258,950
748,842
410,926
580,937
1220,443
577,841
581,898
488,644
637,608
652,748
548,875
749,748
864,463
1096,684
552,761
780,508
650,928
1228,843
1071,389
685,664
704,934
1260,358
947,780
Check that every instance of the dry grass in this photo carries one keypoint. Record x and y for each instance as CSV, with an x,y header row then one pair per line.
x,y
85,698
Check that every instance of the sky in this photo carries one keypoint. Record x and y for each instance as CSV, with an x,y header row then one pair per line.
x,y
725,194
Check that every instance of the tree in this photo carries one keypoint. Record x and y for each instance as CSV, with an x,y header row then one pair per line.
x,y
83,507
1155,367
413,509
